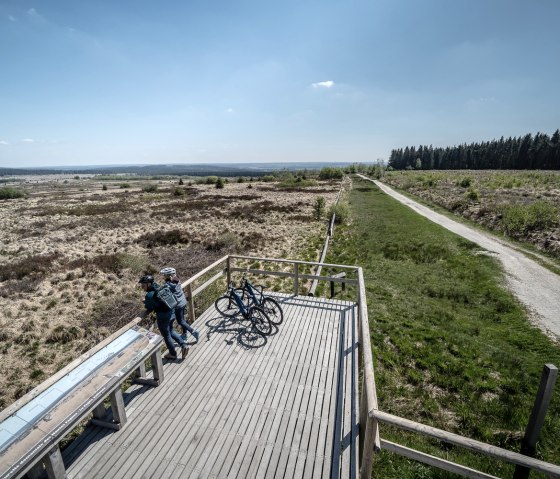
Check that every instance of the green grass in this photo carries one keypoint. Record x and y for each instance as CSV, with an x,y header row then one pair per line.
x,y
452,348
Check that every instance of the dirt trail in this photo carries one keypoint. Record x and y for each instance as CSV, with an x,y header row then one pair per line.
x,y
535,286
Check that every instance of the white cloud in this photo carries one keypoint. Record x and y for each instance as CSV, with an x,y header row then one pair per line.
x,y
28,140
323,84
229,110
2,142
35,14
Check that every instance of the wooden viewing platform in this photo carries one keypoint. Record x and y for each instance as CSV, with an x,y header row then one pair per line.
x,y
286,408
303,403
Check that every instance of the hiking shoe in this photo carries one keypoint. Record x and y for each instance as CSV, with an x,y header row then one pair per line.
x,y
196,335
184,351
170,356
184,336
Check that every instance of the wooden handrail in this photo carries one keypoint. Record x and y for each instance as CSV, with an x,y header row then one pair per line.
x,y
294,261
368,402
471,444
192,279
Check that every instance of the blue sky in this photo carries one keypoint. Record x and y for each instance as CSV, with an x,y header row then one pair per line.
x,y
103,82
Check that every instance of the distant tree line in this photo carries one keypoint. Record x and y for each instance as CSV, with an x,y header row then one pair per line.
x,y
539,152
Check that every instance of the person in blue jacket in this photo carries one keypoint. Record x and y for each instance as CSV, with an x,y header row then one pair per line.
x,y
164,316
174,283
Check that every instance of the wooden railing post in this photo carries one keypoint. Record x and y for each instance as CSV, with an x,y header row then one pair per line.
x,y
228,270
542,401
54,464
368,448
296,279
190,304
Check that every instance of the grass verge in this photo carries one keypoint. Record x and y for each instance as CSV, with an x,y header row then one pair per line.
x,y
452,347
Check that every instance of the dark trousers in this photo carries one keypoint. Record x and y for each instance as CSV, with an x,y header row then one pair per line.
x,y
180,317
165,326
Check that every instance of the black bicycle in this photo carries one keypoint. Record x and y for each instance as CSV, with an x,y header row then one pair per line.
x,y
256,296
232,304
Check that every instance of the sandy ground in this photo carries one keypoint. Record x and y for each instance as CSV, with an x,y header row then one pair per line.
x,y
535,286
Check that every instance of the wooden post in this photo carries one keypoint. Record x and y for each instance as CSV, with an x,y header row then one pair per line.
x,y
100,412
332,289
36,472
117,406
141,371
542,401
190,304
362,419
296,279
228,271
157,366
368,448
54,464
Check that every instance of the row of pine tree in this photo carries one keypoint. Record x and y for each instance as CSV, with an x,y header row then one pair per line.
x,y
539,152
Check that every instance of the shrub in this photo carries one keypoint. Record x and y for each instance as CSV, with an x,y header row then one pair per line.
x,y
181,182
319,207
268,178
473,194
123,186
465,182
63,334
164,238
241,180
219,183
150,188
211,180
249,186
329,173
518,220
104,188
342,212
227,241
36,265
76,177
178,192
9,193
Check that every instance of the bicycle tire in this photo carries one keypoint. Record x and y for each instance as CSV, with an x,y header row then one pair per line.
x,y
260,320
273,310
226,306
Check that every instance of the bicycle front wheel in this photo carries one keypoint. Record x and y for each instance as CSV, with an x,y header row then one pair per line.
x,y
260,320
273,310
226,306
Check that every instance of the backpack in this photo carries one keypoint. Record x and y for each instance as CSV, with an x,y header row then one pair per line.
x,y
166,296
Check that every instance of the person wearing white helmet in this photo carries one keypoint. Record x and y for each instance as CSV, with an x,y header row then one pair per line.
x,y
174,283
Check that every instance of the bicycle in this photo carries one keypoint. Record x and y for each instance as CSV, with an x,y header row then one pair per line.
x,y
231,305
270,306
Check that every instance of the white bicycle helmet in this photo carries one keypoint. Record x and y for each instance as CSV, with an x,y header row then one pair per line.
x,y
168,271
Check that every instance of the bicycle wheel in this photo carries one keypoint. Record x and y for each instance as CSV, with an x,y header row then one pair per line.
x,y
226,306
260,320
273,310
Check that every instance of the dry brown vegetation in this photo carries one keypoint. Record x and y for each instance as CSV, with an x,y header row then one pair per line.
x,y
71,253
524,205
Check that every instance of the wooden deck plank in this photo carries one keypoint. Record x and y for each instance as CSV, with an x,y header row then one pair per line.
x,y
265,413
324,443
268,410
239,443
295,394
280,401
290,455
296,463
326,370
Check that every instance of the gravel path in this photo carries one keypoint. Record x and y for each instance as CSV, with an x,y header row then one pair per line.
x,y
535,286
